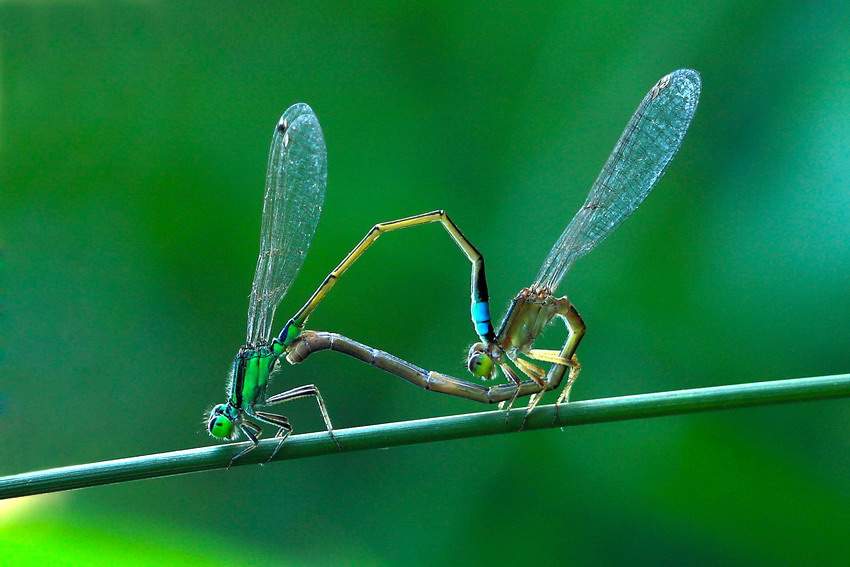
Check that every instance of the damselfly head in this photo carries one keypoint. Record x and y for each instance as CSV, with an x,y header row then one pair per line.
x,y
480,363
222,421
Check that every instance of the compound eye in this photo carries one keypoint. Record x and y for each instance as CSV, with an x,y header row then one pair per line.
x,y
220,426
478,363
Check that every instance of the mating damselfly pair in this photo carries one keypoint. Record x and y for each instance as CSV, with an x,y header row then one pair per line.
x,y
295,189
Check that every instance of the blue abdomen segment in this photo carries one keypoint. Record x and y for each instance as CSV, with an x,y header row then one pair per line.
x,y
481,318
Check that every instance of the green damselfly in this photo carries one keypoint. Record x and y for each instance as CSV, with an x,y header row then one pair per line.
x,y
647,145
294,194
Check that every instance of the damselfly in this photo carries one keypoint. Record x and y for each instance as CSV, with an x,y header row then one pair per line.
x,y
647,145
294,194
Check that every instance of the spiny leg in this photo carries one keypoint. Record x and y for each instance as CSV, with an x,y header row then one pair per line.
x,y
303,392
516,382
253,432
537,374
284,428
576,328
565,393
561,360
552,356
531,370
480,294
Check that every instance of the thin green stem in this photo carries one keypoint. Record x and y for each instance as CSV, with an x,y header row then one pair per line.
x,y
428,430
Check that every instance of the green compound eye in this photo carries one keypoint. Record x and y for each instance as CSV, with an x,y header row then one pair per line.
x,y
220,426
480,364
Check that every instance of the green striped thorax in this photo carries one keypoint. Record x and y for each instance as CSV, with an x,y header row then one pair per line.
x,y
249,379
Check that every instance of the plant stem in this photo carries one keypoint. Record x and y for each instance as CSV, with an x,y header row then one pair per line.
x,y
428,430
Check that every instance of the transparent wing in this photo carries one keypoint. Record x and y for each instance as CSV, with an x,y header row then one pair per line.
x,y
651,139
295,191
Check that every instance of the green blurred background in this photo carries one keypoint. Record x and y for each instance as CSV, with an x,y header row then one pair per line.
x,y
134,140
